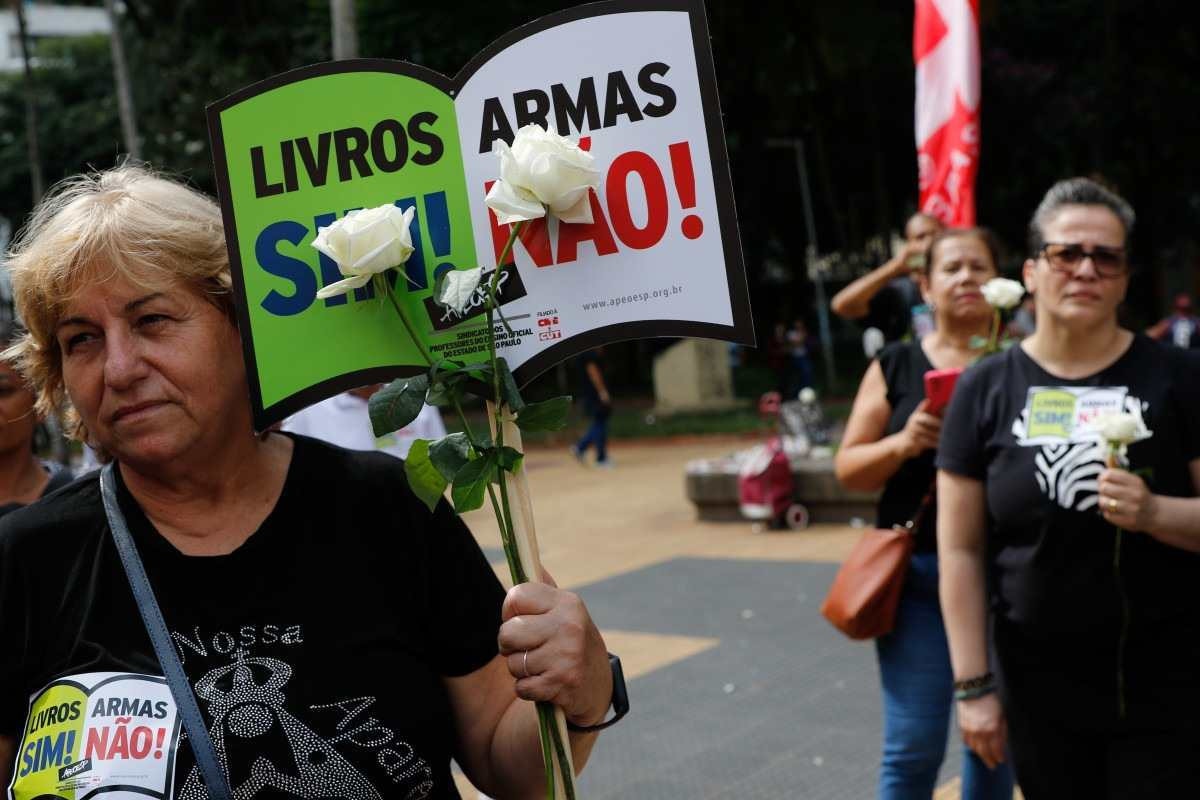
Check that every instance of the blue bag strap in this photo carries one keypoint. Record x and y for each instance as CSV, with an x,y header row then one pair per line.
x,y
152,618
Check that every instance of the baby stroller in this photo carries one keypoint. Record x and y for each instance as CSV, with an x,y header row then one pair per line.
x,y
765,488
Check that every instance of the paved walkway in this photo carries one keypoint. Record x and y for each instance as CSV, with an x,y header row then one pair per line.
x,y
739,688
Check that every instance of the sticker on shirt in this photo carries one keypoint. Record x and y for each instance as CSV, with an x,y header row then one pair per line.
x,y
112,734
1067,414
1060,420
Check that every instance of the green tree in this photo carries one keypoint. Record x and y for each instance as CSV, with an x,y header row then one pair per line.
x,y
1069,87
77,118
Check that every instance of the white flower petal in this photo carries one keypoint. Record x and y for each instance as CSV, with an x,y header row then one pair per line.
x,y
330,241
511,170
368,241
511,205
547,167
386,255
1003,293
456,287
1120,428
343,286
580,212
552,177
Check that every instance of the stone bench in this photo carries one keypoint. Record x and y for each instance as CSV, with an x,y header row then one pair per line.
x,y
712,486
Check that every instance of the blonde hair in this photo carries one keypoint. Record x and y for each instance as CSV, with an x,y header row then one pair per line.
x,y
129,223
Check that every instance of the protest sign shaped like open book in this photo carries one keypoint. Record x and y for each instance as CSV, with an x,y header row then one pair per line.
x,y
107,734
633,83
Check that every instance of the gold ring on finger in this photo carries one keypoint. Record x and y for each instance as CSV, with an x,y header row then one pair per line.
x,y
1113,505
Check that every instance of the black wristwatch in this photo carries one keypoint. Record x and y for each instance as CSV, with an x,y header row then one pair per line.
x,y
620,701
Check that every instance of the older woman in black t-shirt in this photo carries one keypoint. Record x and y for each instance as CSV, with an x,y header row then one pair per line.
x,y
890,441
342,641
1097,632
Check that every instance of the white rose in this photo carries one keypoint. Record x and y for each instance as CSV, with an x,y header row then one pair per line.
x,y
808,395
364,243
1120,428
540,170
1002,293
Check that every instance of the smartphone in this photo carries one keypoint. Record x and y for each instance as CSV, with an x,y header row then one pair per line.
x,y
917,261
939,386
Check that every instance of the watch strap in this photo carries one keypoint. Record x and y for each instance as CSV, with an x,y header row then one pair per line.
x,y
619,701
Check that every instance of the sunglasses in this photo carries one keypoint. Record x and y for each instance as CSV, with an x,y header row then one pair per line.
x,y
1109,262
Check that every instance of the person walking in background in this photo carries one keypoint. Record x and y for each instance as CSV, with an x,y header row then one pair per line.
x,y
1181,329
345,420
890,441
1092,567
597,404
888,297
777,356
800,372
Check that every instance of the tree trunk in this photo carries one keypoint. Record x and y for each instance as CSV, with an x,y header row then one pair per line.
x,y
345,30
31,124
124,91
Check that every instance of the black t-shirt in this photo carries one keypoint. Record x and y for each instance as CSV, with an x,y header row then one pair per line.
x,y
891,308
59,477
1025,433
316,649
904,365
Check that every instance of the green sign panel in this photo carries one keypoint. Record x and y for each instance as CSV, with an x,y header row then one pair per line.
x,y
291,172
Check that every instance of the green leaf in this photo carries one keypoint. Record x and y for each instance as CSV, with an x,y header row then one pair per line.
x,y
444,367
509,459
508,387
548,415
470,483
397,404
424,478
447,380
481,370
450,453
446,391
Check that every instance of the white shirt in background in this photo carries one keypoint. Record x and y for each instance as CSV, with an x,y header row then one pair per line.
x,y
345,421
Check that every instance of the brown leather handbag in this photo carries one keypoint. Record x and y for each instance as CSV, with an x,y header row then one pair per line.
x,y
865,593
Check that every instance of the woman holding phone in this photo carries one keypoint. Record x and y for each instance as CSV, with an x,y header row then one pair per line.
x,y
890,442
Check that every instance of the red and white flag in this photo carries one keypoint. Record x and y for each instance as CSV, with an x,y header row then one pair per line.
x,y
946,52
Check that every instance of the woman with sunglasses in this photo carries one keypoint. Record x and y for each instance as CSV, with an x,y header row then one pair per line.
x,y
1097,632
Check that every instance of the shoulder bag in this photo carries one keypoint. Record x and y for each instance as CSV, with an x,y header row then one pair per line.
x,y
152,618
865,593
